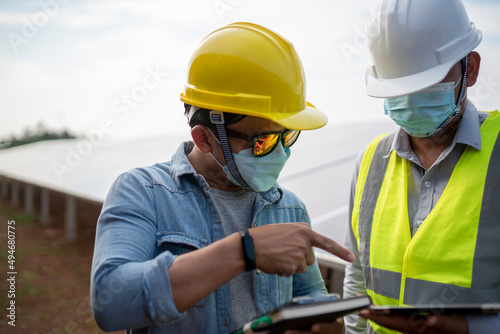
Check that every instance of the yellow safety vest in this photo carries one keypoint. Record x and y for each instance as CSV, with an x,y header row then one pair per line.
x,y
454,257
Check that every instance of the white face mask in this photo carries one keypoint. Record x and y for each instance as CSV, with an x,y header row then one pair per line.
x,y
423,114
259,173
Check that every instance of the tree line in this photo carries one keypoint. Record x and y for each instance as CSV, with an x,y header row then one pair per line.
x,y
31,135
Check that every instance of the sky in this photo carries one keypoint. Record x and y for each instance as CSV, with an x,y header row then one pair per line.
x,y
117,68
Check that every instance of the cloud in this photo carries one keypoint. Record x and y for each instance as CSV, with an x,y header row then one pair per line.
x,y
12,19
92,51
90,14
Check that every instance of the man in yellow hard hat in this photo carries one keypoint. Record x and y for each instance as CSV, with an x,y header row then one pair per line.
x,y
424,201
208,241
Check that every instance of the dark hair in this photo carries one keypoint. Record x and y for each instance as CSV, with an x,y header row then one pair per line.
x,y
202,117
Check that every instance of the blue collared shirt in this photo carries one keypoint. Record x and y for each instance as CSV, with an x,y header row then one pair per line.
x,y
154,214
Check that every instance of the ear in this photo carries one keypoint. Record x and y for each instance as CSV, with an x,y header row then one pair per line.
x,y
203,138
473,64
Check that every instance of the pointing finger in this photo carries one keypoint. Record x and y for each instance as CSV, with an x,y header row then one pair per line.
x,y
332,247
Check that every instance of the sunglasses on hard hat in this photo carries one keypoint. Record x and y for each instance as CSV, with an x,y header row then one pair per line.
x,y
265,143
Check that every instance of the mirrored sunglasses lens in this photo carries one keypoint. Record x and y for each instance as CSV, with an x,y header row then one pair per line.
x,y
290,137
265,144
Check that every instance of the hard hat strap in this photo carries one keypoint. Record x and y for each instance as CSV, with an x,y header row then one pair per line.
x,y
460,98
217,118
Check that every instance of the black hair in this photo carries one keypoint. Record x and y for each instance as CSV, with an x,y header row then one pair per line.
x,y
202,117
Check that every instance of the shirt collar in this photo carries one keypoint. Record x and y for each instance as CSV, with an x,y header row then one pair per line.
x,y
468,132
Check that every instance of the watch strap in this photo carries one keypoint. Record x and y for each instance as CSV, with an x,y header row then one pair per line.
x,y
248,250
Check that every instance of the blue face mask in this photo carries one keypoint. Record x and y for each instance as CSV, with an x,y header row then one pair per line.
x,y
425,113
259,173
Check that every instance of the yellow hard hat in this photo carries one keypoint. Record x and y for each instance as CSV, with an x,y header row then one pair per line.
x,y
246,69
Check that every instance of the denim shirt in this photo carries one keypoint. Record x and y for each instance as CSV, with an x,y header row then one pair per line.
x,y
153,214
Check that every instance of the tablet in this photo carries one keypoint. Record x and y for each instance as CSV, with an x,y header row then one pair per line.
x,y
302,313
427,309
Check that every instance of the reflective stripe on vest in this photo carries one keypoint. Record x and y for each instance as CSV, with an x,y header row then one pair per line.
x,y
454,256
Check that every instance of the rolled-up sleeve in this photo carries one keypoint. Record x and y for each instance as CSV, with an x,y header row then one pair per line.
x,y
130,285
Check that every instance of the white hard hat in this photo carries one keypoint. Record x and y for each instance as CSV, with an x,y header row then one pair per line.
x,y
414,43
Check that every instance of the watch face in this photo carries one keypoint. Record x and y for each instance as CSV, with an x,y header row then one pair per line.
x,y
249,247
248,250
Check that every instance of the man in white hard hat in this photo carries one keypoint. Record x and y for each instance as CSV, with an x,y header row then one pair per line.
x,y
425,199
208,241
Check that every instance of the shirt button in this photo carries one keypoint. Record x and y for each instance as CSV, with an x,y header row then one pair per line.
x,y
254,224
258,271
419,223
427,184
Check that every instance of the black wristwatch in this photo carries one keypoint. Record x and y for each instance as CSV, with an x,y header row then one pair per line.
x,y
248,250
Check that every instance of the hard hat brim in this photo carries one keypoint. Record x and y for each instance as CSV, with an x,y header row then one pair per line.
x,y
309,118
386,88
400,86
